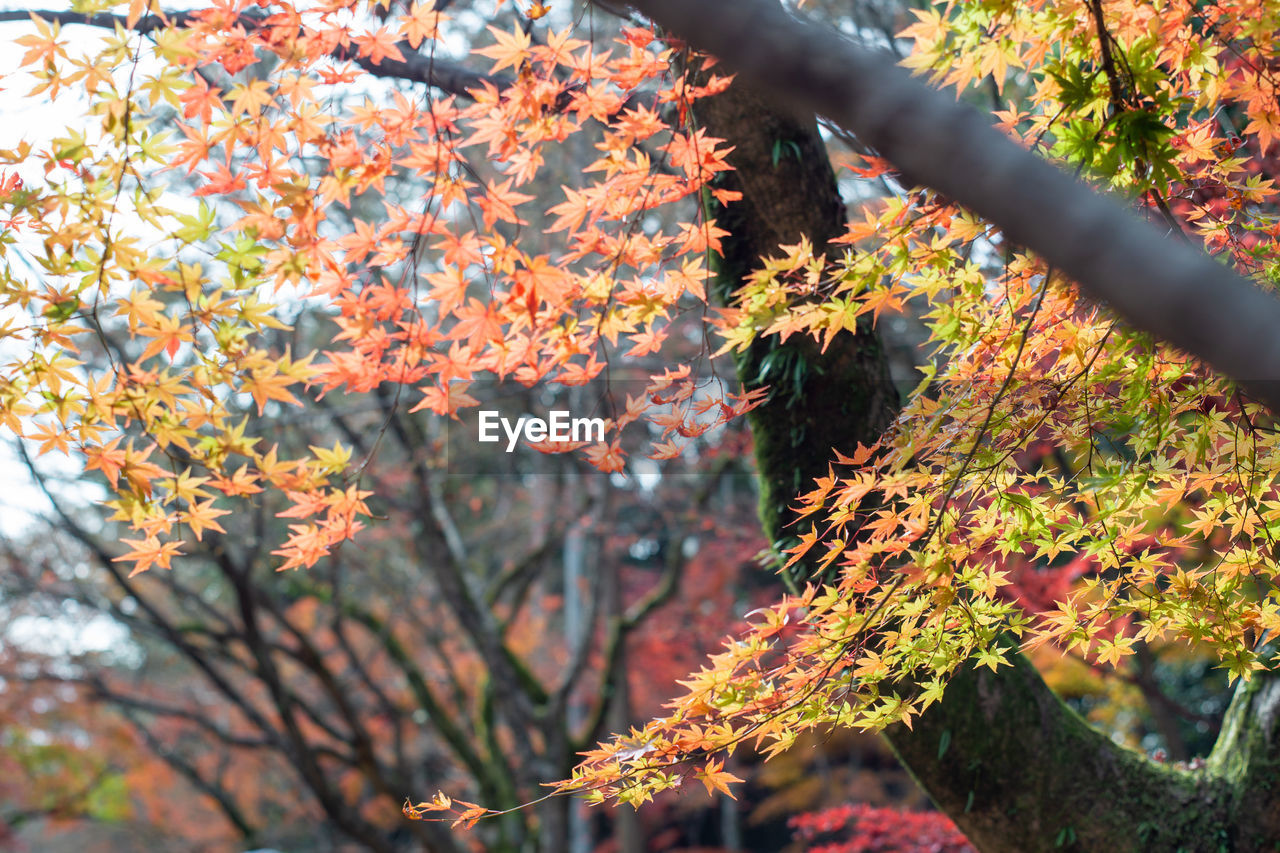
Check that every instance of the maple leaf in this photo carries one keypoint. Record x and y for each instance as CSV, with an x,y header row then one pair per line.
x,y
306,544
499,202
221,182
265,384
149,552
509,49
200,516
715,778
422,22
647,341
43,47
570,213
539,281
108,458
607,457
478,322
445,398
199,100
696,154
194,150
168,333
379,45
250,98
666,450
241,483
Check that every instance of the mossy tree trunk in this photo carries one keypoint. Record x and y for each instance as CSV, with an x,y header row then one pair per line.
x,y
1013,766
1021,772
817,401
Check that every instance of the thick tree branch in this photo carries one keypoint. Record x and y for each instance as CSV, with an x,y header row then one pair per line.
x,y
166,628
1020,771
297,747
1161,286
441,717
1247,758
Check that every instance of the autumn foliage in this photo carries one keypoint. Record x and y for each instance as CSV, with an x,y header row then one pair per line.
x,y
402,317
861,828
462,265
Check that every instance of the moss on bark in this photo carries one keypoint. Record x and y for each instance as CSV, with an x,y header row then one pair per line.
x,y
1020,771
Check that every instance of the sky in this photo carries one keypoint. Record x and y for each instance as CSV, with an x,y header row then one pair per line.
x,y
39,120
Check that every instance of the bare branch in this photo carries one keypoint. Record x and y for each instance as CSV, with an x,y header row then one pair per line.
x,y
226,802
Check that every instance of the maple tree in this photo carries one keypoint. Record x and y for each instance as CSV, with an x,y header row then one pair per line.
x,y
702,211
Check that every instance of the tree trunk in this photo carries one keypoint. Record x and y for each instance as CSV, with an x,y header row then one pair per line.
x,y
817,401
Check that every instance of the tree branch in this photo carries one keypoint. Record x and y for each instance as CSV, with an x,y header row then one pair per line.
x,y
226,802
1173,291
1020,772
443,74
